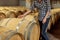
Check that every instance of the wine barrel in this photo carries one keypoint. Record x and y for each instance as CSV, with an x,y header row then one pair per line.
x,y
55,15
2,15
55,29
27,26
6,10
6,34
52,18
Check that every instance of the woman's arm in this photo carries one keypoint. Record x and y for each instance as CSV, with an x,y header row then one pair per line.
x,y
31,9
27,13
48,10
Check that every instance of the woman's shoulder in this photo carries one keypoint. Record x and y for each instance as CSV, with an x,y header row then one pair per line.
x,y
34,1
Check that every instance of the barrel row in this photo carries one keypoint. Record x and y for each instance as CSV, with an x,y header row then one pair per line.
x,y
55,16
12,13
26,27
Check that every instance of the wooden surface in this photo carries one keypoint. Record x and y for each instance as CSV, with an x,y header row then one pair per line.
x,y
32,32
6,34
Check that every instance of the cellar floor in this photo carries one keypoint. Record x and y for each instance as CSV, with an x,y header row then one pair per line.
x,y
55,32
51,37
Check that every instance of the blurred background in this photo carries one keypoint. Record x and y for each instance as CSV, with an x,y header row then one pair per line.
x,y
23,5
26,3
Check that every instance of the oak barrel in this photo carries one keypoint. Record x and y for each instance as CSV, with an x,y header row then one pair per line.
x,y
6,34
26,26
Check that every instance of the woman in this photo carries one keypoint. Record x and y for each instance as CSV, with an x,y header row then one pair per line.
x,y
43,7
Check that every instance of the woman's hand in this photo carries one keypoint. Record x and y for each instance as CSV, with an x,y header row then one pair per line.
x,y
44,20
20,16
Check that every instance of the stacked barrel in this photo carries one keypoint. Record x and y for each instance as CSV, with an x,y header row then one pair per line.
x,y
13,28
55,23
55,16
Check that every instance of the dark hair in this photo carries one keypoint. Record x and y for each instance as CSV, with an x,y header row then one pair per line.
x,y
19,13
24,11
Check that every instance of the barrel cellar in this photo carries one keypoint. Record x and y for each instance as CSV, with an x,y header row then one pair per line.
x,y
15,27
53,28
26,28
55,25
